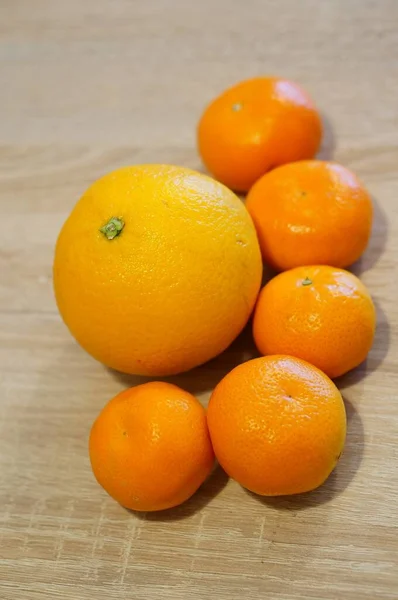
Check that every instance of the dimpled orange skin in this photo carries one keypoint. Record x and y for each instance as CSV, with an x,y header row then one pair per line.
x,y
150,447
321,314
277,425
175,287
255,126
310,212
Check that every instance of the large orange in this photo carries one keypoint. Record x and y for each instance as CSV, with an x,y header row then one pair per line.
x,y
150,447
157,269
277,425
255,126
310,212
320,314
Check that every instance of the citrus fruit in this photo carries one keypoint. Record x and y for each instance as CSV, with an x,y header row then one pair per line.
x,y
255,126
310,212
150,447
157,269
321,314
277,425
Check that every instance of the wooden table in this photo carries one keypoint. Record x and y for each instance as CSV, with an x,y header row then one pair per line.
x,y
90,85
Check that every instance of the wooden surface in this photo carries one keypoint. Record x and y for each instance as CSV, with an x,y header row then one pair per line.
x,y
90,85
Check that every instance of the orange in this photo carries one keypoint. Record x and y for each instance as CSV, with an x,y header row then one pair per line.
x,y
277,425
157,269
320,314
255,126
310,212
150,447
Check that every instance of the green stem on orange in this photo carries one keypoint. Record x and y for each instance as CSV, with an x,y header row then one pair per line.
x,y
113,227
306,281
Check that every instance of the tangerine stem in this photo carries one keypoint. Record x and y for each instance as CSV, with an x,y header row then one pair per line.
x,y
306,281
113,227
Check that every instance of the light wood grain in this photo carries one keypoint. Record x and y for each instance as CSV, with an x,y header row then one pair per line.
x,y
86,86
